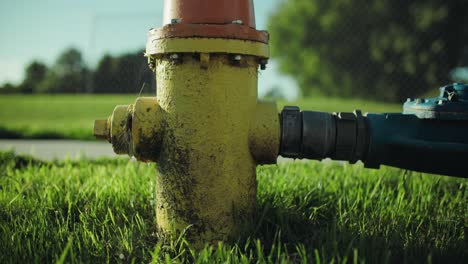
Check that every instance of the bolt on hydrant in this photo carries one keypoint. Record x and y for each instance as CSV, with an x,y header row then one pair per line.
x,y
207,131
205,128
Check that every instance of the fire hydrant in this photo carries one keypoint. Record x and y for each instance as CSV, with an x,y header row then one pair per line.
x,y
207,131
205,128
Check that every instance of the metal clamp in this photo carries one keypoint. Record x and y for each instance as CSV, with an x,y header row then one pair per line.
x,y
361,137
291,131
345,136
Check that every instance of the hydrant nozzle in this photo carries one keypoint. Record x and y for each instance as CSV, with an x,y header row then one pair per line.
x,y
133,129
101,130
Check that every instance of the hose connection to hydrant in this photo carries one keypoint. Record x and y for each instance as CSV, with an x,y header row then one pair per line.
x,y
429,136
319,135
207,131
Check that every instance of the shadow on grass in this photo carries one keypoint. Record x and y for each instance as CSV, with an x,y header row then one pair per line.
x,y
18,162
25,133
8,158
313,221
294,224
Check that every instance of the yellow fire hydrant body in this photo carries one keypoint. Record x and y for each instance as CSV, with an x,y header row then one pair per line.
x,y
205,129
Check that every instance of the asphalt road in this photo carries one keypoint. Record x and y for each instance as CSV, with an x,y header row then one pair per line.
x,y
59,149
68,149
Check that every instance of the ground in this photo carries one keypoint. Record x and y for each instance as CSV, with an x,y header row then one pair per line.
x,y
104,210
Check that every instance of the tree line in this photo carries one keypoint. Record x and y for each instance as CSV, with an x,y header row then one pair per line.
x,y
127,73
380,49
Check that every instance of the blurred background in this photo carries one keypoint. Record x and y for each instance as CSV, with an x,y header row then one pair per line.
x,y
65,63
91,47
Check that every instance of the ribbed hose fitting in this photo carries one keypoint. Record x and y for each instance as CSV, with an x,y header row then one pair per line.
x,y
319,135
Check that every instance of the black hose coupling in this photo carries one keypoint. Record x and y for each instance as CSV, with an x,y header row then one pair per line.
x,y
319,135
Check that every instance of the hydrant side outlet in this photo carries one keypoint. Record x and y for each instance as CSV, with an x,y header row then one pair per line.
x,y
147,129
120,122
265,133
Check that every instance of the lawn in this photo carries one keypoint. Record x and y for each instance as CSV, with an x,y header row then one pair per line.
x,y
55,116
72,116
103,211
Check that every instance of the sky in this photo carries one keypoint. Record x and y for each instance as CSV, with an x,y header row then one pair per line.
x,y
42,29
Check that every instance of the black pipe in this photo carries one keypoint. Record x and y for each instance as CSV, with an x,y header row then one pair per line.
x,y
400,140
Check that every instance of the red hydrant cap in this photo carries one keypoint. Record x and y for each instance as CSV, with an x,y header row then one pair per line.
x,y
209,12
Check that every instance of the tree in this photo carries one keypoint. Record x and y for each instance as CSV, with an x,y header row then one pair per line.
x,y
8,88
384,49
35,74
134,73
104,78
126,73
68,75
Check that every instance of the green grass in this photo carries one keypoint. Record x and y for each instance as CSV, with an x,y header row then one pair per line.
x,y
103,211
72,116
55,116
